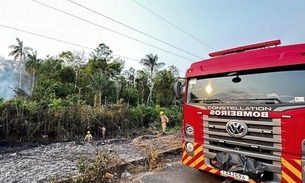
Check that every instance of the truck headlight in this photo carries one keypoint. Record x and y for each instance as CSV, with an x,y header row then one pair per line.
x,y
189,147
189,130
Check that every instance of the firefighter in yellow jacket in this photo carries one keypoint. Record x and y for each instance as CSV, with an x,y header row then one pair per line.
x,y
164,120
88,137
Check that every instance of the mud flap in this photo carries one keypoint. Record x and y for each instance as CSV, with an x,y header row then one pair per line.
x,y
233,162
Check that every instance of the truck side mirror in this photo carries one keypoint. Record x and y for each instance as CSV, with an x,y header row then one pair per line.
x,y
177,90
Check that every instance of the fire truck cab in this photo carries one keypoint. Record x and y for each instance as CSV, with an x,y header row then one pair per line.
x,y
244,113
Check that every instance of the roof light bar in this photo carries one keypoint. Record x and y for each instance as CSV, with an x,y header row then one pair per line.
x,y
245,48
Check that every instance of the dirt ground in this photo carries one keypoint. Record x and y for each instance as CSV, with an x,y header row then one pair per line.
x,y
172,170
42,163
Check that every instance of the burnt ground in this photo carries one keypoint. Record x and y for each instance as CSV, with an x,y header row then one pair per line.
x,y
37,162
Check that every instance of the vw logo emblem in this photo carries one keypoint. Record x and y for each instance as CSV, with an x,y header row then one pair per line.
x,y
236,128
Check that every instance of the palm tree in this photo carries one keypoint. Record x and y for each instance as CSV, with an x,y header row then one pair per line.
x,y
32,65
19,51
151,63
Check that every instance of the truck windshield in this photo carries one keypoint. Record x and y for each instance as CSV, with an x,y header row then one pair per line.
x,y
269,88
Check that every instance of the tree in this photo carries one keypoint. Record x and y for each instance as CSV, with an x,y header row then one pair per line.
x,y
32,65
19,51
99,58
141,83
76,60
120,82
130,77
50,68
151,63
67,75
67,57
164,84
99,82
114,68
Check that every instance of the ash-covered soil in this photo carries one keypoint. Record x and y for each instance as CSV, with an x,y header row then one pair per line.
x,y
41,163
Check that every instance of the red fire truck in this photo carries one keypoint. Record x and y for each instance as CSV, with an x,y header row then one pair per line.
x,y
244,113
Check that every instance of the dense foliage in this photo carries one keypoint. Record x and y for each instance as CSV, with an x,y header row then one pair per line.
x,y
63,96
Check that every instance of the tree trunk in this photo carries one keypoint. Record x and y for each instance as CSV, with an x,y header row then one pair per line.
x,y
95,100
117,95
150,93
76,77
100,98
151,87
149,97
142,99
33,79
20,75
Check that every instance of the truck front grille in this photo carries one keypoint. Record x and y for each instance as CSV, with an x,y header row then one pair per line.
x,y
262,142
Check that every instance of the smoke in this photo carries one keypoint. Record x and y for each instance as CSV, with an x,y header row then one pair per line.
x,y
9,75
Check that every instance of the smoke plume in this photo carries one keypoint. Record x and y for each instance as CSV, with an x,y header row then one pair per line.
x,y
9,74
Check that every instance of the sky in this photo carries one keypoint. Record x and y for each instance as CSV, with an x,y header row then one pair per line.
x,y
180,32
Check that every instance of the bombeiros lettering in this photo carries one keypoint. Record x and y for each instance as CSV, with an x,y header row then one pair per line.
x,y
239,108
248,111
239,113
